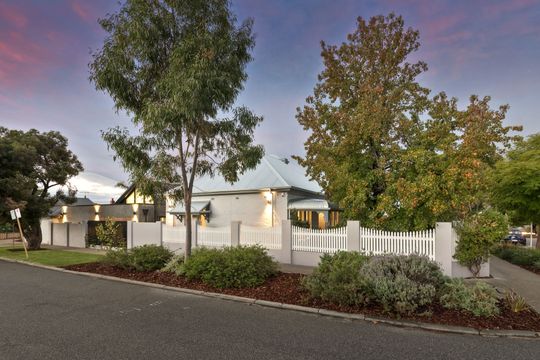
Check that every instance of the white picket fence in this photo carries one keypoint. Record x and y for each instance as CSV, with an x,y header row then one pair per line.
x,y
173,235
378,242
319,240
269,238
213,236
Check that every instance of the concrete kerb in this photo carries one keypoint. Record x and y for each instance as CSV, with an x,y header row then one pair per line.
x,y
323,312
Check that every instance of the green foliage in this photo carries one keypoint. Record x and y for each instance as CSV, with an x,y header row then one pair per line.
x,y
175,66
149,257
295,221
402,284
6,228
141,258
33,165
515,182
231,267
338,279
479,299
515,302
109,234
118,257
518,255
477,235
379,147
175,265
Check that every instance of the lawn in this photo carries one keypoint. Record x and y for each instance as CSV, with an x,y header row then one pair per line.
x,y
49,257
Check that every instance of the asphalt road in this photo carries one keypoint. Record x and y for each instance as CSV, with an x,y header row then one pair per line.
x,y
52,315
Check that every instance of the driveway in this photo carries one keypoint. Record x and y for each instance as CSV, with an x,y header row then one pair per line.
x,y
52,315
510,276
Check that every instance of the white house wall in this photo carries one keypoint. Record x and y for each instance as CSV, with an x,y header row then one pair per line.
x,y
250,209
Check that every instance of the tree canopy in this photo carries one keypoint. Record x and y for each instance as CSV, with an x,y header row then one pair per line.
x,y
515,182
32,164
385,151
176,67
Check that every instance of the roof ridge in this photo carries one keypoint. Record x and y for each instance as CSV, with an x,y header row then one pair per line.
x,y
278,175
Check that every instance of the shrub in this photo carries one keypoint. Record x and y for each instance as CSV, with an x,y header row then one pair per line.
x,y
518,255
149,257
109,234
402,284
141,258
515,302
231,267
175,265
479,299
536,265
477,235
118,258
338,279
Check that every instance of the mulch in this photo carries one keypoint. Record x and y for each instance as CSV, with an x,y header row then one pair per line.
x,y
286,288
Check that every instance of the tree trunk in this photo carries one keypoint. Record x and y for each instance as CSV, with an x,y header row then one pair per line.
x,y
33,236
187,206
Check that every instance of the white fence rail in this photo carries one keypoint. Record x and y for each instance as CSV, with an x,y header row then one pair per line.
x,y
315,240
269,238
214,237
174,234
378,242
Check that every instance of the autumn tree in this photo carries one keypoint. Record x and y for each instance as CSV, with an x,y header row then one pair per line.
x,y
176,66
34,169
385,151
515,182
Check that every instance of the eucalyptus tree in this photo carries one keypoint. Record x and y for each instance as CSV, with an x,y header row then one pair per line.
x,y
176,67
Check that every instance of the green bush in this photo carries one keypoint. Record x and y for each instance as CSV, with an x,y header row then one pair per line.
x,y
479,299
119,258
175,265
338,279
536,265
141,258
477,235
518,255
109,234
149,257
402,284
231,267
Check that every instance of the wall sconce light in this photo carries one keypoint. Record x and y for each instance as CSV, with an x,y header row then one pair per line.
x,y
268,196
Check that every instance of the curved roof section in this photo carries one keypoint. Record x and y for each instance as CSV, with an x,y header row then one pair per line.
x,y
273,172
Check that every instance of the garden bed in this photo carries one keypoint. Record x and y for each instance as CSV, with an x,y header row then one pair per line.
x,y
286,288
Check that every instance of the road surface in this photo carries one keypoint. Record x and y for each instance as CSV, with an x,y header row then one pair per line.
x,y
47,314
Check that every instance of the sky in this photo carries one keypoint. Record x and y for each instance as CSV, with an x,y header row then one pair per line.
x,y
483,47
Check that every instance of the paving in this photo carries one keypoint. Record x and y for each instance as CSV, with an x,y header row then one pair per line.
x,y
509,276
54,315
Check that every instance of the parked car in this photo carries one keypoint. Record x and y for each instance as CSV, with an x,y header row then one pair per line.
x,y
515,237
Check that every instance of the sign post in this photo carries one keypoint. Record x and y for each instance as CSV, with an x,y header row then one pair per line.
x,y
16,215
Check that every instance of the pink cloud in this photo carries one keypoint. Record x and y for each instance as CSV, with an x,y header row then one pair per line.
x,y
82,11
495,9
13,16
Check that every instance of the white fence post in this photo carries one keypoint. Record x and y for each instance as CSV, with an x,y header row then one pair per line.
x,y
353,236
235,233
286,241
443,247
129,240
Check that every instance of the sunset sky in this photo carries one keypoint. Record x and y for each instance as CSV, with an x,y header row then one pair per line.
x,y
472,47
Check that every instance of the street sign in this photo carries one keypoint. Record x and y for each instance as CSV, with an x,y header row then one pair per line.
x,y
13,215
18,213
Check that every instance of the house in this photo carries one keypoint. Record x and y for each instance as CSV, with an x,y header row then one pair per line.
x,y
130,206
277,189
